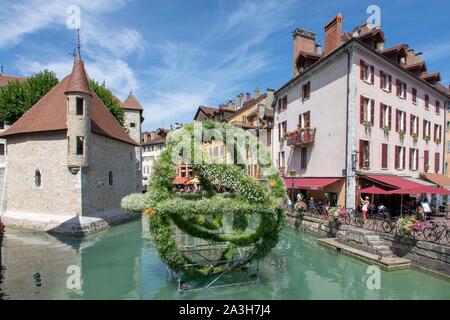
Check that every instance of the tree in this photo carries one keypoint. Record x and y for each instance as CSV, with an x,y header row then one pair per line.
x,y
111,102
14,101
17,97
41,83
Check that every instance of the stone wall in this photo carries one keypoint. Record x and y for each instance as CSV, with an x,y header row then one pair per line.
x,y
425,255
108,155
60,191
430,256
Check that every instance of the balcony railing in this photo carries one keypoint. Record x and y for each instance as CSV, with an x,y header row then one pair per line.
x,y
301,137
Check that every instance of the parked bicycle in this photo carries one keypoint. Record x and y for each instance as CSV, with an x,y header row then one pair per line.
x,y
353,217
437,231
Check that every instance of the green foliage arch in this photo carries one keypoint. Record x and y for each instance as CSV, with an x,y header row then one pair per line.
x,y
207,214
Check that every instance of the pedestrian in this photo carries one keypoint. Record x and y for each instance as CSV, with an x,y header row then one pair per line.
x,y
365,206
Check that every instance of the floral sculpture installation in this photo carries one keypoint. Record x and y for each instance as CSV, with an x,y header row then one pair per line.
x,y
204,215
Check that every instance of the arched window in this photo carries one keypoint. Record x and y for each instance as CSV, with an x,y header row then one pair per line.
x,y
110,178
37,179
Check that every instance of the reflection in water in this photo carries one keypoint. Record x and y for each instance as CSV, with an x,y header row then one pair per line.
x,y
121,263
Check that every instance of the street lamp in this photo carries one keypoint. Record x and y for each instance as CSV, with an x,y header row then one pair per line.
x,y
292,174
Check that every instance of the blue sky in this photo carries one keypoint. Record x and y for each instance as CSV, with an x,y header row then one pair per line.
x,y
178,54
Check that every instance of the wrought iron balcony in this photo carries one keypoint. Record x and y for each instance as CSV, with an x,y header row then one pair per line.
x,y
301,137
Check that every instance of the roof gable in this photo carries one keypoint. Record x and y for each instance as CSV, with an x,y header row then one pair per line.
x,y
131,103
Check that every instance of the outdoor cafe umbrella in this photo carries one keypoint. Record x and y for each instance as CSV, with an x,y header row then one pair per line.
x,y
374,190
418,190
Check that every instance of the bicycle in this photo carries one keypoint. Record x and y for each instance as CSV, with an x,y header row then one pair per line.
x,y
353,218
436,232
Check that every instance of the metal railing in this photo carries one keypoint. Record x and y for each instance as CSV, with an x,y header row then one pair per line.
x,y
431,230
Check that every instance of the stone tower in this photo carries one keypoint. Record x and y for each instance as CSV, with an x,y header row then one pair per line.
x,y
78,97
133,119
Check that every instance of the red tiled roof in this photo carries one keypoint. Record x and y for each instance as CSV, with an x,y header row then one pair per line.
x,y
78,81
4,79
131,103
50,114
155,141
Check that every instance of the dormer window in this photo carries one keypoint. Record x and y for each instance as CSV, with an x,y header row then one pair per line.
x,y
80,106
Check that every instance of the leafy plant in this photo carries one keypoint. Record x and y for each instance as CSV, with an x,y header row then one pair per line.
x,y
406,226
438,140
386,130
415,137
205,215
111,102
427,138
401,134
17,97
368,127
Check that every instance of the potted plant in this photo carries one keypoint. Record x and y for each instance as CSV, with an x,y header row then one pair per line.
x,y
427,138
415,137
368,127
438,140
366,163
386,130
401,134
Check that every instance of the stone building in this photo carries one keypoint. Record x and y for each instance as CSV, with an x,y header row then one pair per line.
x,y
133,120
69,162
253,114
153,144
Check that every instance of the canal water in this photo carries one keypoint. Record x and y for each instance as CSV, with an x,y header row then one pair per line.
x,y
121,263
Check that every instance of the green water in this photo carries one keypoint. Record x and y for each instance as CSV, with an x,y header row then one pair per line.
x,y
121,263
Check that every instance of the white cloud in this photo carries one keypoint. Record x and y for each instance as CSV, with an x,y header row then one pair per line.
x,y
105,45
117,74
194,73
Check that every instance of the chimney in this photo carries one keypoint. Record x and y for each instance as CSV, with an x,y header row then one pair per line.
x,y
231,105
418,57
247,97
238,101
318,49
303,41
410,57
333,31
256,94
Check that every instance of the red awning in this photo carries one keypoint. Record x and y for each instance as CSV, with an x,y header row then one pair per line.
x,y
310,183
180,180
374,190
394,181
421,190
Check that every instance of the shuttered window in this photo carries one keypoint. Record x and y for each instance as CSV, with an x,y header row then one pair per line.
x,y
426,160
436,162
384,156
304,158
